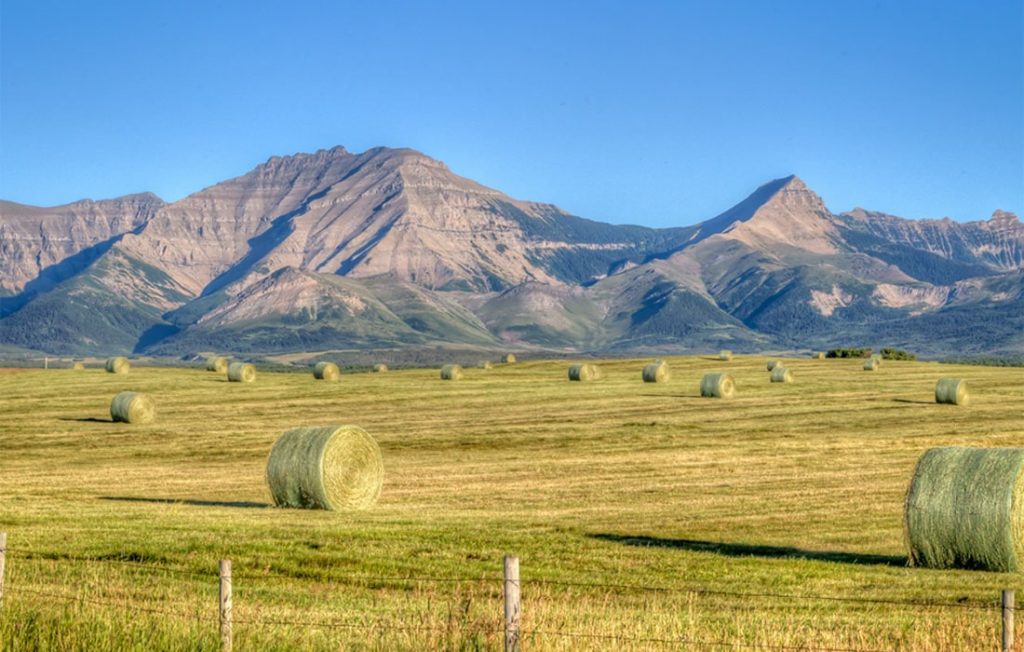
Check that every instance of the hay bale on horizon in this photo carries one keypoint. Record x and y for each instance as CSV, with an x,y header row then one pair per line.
x,y
451,372
325,467
818,355
964,508
508,358
725,355
117,365
241,372
772,364
380,368
485,364
584,372
656,372
326,371
952,391
217,363
781,375
871,364
78,366
717,385
132,407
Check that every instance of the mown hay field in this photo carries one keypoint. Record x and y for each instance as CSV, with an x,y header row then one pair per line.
x,y
772,519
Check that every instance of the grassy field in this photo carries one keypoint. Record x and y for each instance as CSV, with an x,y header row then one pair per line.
x,y
773,519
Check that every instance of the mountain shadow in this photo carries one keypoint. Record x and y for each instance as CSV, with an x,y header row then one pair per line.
x,y
52,276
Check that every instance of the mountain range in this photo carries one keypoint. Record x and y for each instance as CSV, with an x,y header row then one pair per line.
x,y
390,249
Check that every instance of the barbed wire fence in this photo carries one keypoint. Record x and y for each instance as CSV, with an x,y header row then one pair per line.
x,y
509,627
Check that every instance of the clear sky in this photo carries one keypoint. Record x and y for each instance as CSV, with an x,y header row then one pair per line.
x,y
658,113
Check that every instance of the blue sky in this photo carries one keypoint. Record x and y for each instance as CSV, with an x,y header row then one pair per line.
x,y
659,113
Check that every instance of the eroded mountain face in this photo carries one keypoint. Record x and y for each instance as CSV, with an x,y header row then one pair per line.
x,y
34,241
390,248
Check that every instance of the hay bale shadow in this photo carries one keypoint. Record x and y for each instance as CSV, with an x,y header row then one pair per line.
x,y
910,400
749,550
85,419
188,501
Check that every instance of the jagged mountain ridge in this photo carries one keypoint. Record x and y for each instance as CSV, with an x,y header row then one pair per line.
x,y
390,248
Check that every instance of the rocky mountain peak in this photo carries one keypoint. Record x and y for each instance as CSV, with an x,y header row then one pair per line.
x,y
794,194
781,212
1002,217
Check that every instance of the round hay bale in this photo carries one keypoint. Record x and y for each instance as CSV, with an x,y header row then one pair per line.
x,y
241,372
584,372
117,365
772,364
725,355
508,358
451,372
326,371
78,366
656,372
782,375
328,467
380,368
132,407
485,364
818,355
717,385
952,391
217,363
871,364
964,509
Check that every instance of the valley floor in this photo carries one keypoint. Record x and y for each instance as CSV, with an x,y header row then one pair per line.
x,y
644,516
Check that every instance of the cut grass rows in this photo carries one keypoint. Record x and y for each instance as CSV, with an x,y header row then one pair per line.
x,y
786,489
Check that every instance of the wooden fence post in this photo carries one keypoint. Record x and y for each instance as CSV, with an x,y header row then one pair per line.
x,y
3,564
513,607
225,605
1008,609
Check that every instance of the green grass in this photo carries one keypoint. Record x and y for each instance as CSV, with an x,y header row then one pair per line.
x,y
792,490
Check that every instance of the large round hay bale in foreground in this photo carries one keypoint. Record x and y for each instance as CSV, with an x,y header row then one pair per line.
x,y
132,407
117,365
871,364
717,385
485,364
952,391
657,372
217,363
584,372
451,372
328,467
380,368
964,509
326,371
78,366
772,364
508,358
241,372
782,375
725,355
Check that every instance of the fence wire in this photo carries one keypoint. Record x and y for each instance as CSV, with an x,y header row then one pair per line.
x,y
128,603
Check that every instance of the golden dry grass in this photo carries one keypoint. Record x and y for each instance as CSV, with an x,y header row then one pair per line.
x,y
786,490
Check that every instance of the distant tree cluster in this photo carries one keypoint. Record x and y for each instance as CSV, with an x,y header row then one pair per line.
x,y
848,353
897,354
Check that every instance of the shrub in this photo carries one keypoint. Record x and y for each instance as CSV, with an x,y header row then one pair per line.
x,y
848,353
897,354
